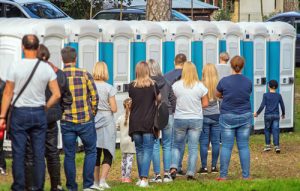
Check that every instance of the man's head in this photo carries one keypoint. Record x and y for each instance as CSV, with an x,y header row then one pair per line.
x,y
30,45
224,57
68,55
273,84
180,59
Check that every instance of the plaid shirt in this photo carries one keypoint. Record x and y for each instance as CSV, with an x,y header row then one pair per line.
x,y
84,93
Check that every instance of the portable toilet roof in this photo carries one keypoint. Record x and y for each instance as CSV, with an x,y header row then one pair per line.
x,y
16,27
280,29
145,28
80,28
111,29
175,28
250,29
228,28
46,28
203,28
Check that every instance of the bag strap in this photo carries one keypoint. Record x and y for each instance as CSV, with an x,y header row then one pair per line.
x,y
26,83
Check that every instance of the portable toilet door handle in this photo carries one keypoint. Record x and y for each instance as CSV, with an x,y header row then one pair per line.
x,y
291,80
263,81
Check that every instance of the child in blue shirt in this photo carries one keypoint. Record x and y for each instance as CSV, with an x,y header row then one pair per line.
x,y
271,101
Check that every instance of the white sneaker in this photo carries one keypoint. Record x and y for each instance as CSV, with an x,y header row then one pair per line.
x,y
144,184
138,182
93,188
167,178
104,185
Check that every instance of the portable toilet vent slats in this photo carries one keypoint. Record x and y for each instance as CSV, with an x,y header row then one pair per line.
x,y
255,51
84,37
178,38
282,64
205,45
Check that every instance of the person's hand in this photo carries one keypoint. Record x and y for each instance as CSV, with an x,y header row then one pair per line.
x,y
282,116
2,124
255,114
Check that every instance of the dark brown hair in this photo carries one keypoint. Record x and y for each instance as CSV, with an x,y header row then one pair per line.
x,y
237,63
180,59
30,42
43,53
68,54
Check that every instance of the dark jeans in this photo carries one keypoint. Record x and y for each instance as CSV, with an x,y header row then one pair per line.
x,y
87,133
2,157
28,122
272,127
52,157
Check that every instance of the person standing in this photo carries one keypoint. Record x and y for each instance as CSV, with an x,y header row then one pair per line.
x,y
236,117
105,123
54,114
223,67
172,77
167,96
144,93
78,121
191,97
29,113
211,129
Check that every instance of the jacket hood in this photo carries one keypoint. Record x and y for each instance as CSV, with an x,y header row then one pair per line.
x,y
159,80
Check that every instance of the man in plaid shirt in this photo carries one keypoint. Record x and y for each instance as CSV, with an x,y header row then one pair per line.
x,y
78,121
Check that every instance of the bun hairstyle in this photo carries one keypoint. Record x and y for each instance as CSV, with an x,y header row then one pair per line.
x,y
237,63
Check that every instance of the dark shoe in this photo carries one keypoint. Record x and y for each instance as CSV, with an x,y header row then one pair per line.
x,y
277,149
190,178
173,173
203,171
180,173
214,170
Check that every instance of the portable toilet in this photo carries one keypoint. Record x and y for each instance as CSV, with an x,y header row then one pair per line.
x,y
255,52
178,39
148,39
281,65
83,35
230,37
205,46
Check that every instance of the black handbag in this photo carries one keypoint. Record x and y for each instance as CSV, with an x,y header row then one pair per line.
x,y
161,118
8,119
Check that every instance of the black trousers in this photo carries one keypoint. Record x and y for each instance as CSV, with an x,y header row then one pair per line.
x,y
52,157
2,157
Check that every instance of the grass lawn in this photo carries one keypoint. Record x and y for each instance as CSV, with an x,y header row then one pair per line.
x,y
269,171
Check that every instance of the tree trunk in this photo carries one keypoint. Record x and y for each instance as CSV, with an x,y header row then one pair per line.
x,y
158,10
262,10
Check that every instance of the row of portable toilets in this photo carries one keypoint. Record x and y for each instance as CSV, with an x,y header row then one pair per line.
x,y
268,48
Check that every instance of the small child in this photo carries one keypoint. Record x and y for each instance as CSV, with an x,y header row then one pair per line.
x,y
126,144
271,101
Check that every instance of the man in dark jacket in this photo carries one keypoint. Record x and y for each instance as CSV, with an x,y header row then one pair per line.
x,y
2,159
54,114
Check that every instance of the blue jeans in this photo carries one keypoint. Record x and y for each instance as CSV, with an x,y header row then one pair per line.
x,y
235,126
272,126
32,122
190,129
211,132
87,133
167,133
144,143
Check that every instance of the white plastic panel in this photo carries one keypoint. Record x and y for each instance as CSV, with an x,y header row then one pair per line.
x,y
154,49
121,60
55,44
183,45
233,45
210,50
10,52
287,59
88,52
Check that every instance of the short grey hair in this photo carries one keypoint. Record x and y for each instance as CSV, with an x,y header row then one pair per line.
x,y
154,68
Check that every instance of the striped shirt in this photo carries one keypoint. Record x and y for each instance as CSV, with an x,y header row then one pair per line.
x,y
84,93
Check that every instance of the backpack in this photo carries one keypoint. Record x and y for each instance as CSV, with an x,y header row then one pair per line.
x,y
161,118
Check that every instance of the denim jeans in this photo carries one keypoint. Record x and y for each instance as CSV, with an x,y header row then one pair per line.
x,y
272,126
166,140
144,143
211,132
87,133
190,129
32,122
235,126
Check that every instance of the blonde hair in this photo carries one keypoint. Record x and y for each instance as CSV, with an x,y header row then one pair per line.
x,y
224,56
100,71
127,106
189,74
154,68
142,74
210,80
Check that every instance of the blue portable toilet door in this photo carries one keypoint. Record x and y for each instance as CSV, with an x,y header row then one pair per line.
x,y
183,45
233,45
87,52
210,50
10,52
154,49
259,76
287,60
55,44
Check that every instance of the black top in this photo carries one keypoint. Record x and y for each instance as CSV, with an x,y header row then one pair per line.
x,y
143,110
271,101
